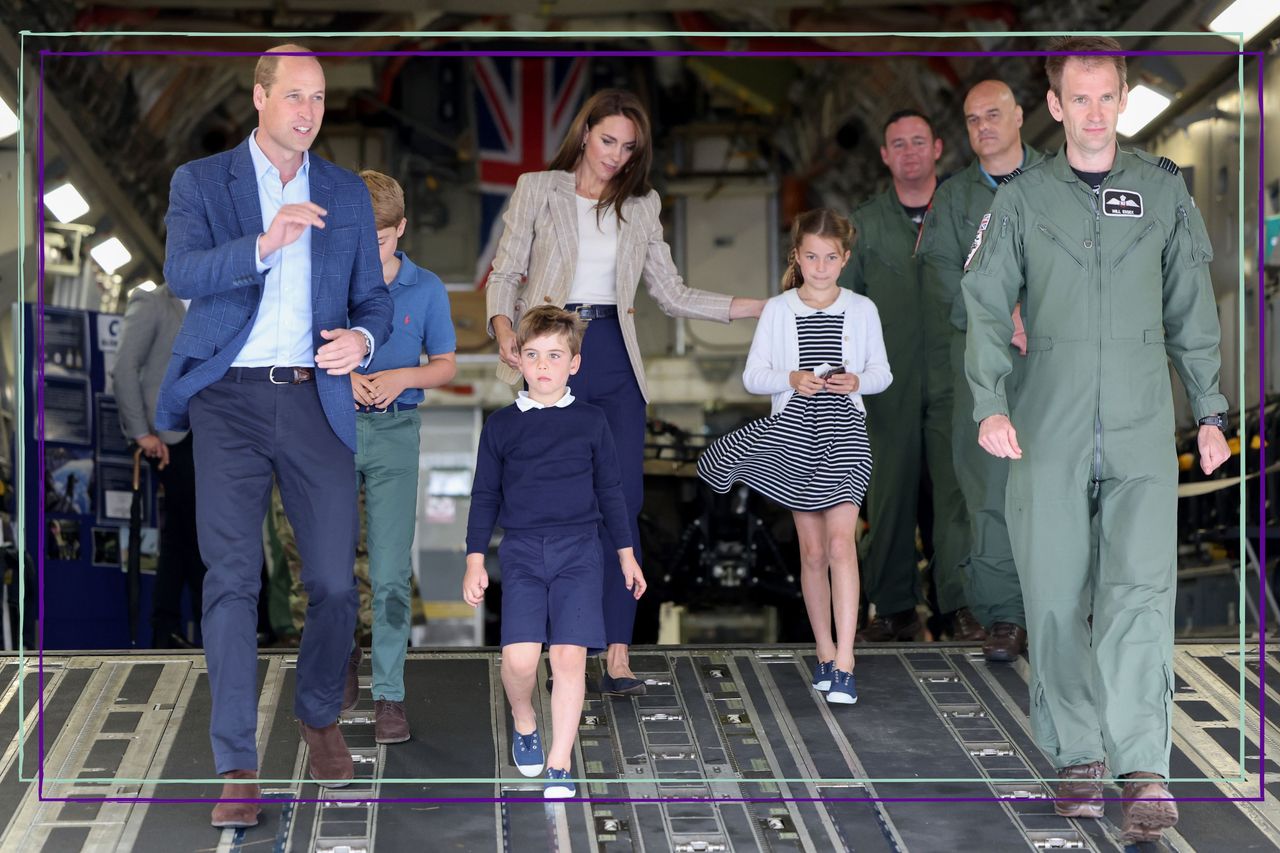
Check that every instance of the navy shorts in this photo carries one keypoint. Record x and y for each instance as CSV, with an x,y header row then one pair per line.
x,y
551,590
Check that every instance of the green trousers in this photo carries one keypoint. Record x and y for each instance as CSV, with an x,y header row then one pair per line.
x,y
909,425
387,465
1106,549
992,590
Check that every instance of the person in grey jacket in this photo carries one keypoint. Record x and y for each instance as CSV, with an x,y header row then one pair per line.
x,y
151,321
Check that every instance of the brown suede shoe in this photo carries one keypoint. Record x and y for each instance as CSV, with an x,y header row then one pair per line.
x,y
901,626
1079,791
389,722
329,761
1148,808
1005,642
966,628
351,688
238,815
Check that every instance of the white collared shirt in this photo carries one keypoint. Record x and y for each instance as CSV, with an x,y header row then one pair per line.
x,y
524,402
281,332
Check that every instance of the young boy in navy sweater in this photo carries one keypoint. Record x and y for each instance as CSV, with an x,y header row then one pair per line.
x,y
547,473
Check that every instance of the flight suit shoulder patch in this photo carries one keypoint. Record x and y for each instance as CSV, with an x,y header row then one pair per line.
x,y
977,239
1169,166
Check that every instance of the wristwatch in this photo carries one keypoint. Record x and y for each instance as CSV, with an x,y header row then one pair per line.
x,y
1218,420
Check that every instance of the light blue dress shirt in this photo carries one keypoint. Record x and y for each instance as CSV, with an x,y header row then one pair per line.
x,y
282,331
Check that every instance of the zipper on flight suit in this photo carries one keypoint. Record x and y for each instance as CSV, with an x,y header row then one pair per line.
x,y
1097,412
1129,249
1054,237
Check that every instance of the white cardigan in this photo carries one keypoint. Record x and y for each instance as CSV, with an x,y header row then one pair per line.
x,y
775,349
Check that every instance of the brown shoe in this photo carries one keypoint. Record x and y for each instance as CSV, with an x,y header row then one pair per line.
x,y
901,626
1005,642
1079,791
238,815
329,761
966,628
1148,808
351,688
389,723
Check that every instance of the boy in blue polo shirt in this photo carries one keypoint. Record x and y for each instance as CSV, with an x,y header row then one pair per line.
x,y
547,472
387,425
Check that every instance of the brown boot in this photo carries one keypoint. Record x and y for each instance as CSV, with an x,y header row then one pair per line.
x,y
1005,642
329,761
1079,791
351,687
389,722
1148,808
966,628
235,815
901,626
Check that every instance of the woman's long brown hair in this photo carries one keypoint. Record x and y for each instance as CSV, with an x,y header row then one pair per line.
x,y
633,178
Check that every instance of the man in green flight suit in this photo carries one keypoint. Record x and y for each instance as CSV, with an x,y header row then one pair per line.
x,y
909,424
1110,257
994,121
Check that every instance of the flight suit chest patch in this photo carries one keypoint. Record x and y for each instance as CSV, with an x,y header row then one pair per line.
x,y
1122,203
977,239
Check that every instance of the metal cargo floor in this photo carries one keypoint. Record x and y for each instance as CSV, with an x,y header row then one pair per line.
x,y
718,724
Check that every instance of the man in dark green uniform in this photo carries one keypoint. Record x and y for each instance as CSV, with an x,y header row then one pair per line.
x,y
994,122
1110,258
909,424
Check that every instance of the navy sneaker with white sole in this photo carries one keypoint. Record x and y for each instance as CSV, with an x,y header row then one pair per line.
x,y
558,785
843,691
527,752
822,675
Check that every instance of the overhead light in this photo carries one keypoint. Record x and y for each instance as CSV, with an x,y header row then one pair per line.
x,y
110,255
8,121
1144,104
66,203
1247,17
147,286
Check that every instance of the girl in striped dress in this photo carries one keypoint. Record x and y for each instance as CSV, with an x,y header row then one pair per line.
x,y
817,350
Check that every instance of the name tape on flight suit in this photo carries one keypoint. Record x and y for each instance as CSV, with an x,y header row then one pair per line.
x,y
977,239
1121,203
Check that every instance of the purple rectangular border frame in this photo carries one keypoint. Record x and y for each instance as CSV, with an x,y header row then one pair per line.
x,y
39,349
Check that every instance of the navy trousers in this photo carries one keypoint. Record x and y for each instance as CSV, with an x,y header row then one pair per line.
x,y
607,380
245,432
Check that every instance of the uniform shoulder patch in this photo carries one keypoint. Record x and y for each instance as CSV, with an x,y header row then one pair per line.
x,y
1169,166
1009,177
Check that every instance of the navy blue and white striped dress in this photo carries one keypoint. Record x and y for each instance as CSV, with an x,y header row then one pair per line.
x,y
812,455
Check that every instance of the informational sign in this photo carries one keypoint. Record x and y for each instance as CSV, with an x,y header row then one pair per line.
x,y
66,410
115,490
82,499
68,476
66,342
109,326
111,440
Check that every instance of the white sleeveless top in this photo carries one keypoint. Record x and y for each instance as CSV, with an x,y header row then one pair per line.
x,y
595,276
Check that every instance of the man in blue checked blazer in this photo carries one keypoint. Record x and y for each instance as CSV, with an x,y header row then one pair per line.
x,y
277,251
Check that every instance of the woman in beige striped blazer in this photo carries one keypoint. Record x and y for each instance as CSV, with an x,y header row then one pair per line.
x,y
557,247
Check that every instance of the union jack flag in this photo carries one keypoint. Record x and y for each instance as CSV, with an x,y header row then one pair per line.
x,y
523,108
